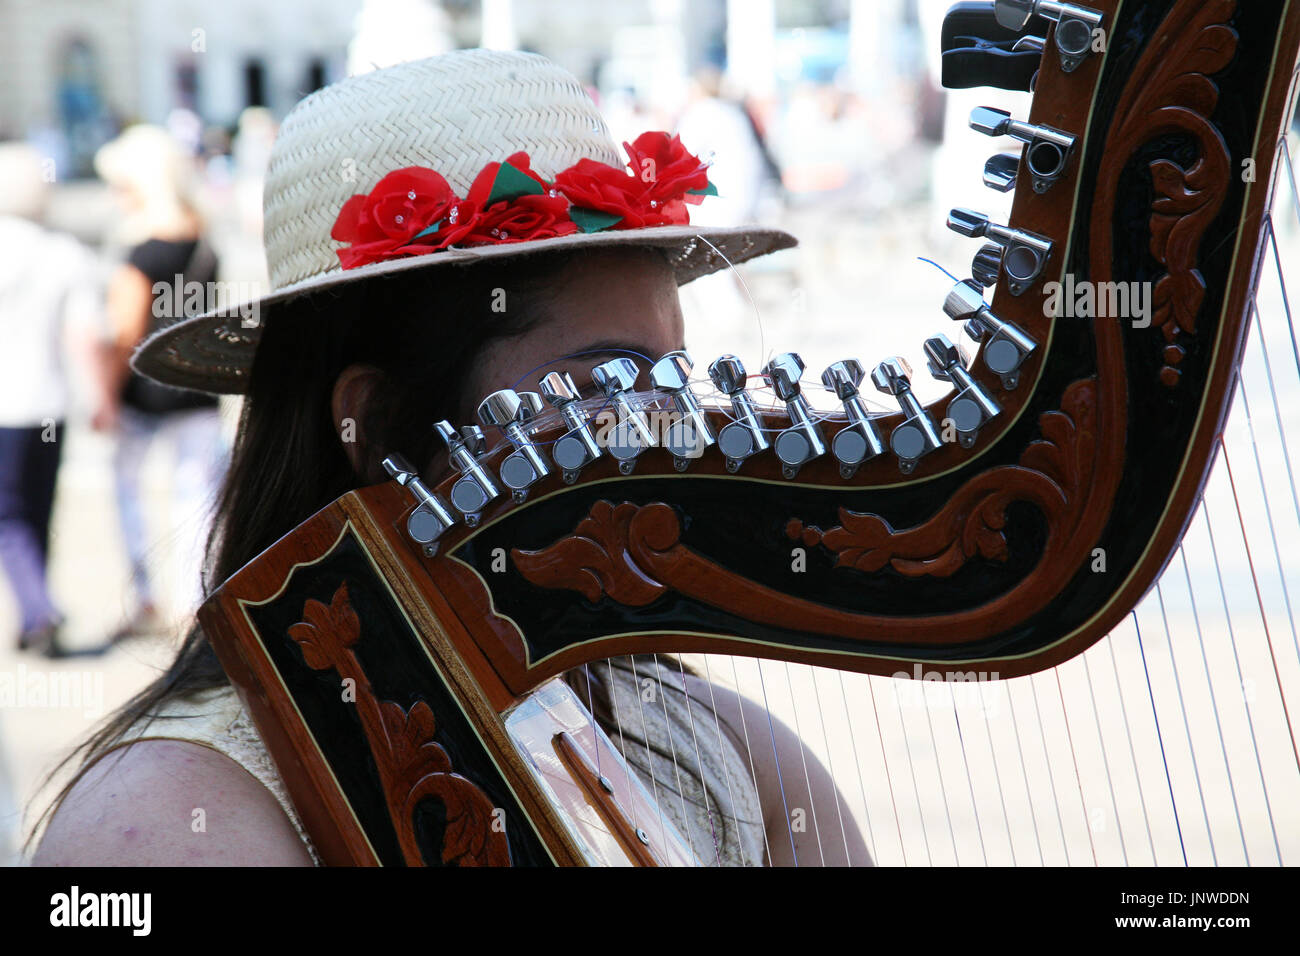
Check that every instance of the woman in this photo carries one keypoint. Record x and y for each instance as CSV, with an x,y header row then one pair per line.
x,y
349,364
167,261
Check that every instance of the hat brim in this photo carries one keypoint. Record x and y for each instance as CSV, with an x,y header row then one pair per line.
x,y
213,352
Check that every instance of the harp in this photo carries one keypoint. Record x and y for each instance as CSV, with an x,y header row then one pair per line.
x,y
1044,620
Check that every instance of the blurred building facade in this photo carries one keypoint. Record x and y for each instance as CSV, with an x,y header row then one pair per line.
x,y
73,72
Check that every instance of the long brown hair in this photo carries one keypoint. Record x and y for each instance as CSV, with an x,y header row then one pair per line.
x,y
423,329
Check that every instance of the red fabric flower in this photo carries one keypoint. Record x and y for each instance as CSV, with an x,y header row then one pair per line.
x,y
593,185
379,225
667,168
540,215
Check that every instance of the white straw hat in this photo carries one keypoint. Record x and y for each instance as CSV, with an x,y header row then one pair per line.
x,y
452,114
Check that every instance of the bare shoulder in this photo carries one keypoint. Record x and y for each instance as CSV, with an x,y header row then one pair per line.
x,y
169,803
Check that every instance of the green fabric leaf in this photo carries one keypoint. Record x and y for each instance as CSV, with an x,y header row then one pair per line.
x,y
510,183
709,190
426,232
593,220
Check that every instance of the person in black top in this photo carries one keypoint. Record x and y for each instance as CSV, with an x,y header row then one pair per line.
x,y
168,266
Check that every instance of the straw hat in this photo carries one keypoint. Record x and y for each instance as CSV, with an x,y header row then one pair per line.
x,y
453,114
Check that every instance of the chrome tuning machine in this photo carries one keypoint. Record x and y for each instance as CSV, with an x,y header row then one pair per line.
x,y
431,517
739,439
475,488
987,264
1004,347
1075,25
858,441
510,411
802,441
1047,150
576,448
972,408
690,435
1001,172
1024,254
631,434
917,436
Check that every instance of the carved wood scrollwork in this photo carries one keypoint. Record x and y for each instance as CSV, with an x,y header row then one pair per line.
x,y
1050,474
412,765
1172,92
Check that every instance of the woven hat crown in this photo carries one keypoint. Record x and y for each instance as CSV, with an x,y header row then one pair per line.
x,y
453,114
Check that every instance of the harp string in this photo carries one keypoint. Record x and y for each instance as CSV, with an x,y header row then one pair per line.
x,y
830,767
1128,733
649,757
1024,774
997,776
857,763
1259,597
776,759
717,726
1074,758
1241,682
1214,703
1051,776
672,749
699,763
970,784
902,846
1101,741
803,760
749,753
1164,760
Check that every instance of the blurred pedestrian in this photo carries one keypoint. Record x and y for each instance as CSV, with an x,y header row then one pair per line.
x,y
169,268
49,307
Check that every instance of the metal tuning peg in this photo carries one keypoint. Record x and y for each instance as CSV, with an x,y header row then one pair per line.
x,y
743,437
802,441
858,441
972,407
690,435
917,436
576,448
1075,25
1001,170
510,411
1004,347
431,517
1024,253
475,488
1048,150
987,264
631,435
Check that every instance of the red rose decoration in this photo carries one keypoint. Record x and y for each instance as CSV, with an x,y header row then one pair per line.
x,y
540,213
595,186
379,225
667,168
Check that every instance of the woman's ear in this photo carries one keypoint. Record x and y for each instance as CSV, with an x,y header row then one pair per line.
x,y
354,390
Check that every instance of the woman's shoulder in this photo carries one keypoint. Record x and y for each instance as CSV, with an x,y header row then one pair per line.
x,y
184,786
167,802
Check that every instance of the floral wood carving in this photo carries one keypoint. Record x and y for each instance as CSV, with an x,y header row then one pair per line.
x,y
412,765
1171,92
601,557
1051,473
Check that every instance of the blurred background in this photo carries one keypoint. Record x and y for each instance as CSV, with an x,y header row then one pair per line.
x,y
823,117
